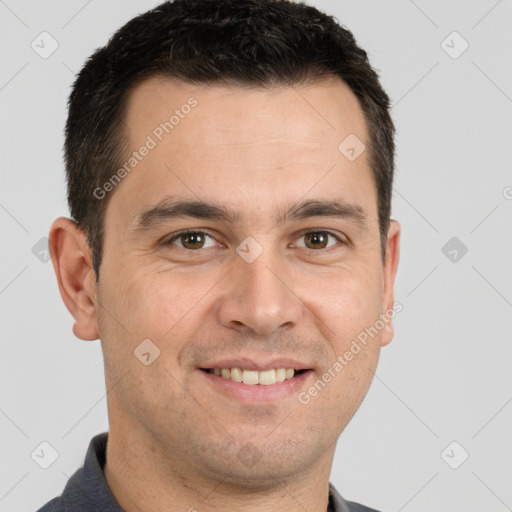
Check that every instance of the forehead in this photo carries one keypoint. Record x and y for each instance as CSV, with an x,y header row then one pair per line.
x,y
240,145
238,114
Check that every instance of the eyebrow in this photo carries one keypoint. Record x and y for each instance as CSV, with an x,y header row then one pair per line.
x,y
168,209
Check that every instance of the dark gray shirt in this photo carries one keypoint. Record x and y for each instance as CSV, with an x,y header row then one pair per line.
x,y
88,491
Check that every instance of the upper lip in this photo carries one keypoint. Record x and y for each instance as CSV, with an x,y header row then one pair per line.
x,y
259,365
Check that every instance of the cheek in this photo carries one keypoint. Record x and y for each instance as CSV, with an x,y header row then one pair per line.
x,y
162,306
147,307
346,313
345,304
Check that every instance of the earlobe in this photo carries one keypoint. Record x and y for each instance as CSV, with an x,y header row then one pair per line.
x,y
390,269
71,260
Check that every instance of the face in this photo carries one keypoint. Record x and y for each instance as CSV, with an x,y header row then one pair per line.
x,y
280,268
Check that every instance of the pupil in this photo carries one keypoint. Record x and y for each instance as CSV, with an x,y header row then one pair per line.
x,y
193,239
316,237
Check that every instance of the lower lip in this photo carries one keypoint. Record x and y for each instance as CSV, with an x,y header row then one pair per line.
x,y
257,393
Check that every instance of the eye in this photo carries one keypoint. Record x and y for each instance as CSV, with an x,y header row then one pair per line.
x,y
191,240
318,239
195,240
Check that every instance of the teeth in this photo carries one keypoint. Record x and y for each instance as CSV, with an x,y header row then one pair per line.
x,y
267,377
251,377
280,375
237,375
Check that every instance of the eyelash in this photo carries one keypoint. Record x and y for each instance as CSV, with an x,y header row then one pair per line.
x,y
168,241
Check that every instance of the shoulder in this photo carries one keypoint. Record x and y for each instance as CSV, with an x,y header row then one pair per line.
x,y
87,490
52,506
339,504
357,507
72,498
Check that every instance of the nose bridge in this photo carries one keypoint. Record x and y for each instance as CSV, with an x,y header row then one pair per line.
x,y
259,297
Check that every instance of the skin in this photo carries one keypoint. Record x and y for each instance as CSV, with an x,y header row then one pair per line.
x,y
174,439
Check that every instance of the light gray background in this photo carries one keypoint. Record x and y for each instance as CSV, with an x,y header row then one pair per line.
x,y
447,374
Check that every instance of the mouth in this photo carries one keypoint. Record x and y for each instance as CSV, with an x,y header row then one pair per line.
x,y
254,377
256,386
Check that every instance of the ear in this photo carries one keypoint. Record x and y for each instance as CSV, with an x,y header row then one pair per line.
x,y
72,262
390,268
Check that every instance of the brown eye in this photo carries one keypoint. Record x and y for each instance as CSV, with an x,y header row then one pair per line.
x,y
191,240
318,239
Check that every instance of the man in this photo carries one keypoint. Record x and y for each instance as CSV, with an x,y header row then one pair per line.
x,y
229,168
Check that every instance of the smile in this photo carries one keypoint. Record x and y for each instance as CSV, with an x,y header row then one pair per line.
x,y
256,386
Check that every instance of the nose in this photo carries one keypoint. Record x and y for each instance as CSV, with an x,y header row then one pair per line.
x,y
259,298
